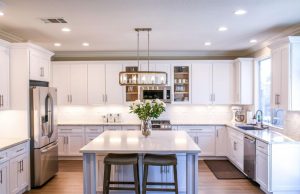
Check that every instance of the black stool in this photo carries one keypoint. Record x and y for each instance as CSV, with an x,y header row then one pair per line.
x,y
121,159
160,160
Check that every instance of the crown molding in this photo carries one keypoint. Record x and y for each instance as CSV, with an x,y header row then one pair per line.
x,y
10,37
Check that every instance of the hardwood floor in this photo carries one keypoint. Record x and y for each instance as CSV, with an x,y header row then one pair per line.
x,y
69,181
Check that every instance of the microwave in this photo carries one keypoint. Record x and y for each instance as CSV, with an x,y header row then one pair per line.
x,y
156,92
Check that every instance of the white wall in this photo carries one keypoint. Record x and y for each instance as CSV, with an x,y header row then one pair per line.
x,y
176,113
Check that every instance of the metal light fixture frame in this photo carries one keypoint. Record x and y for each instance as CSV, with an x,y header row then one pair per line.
x,y
139,73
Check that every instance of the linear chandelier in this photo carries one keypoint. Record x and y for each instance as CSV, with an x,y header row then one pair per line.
x,y
143,78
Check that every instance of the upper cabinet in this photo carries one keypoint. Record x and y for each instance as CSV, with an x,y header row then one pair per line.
x,y
181,75
212,82
243,81
39,65
71,83
96,83
285,74
4,75
114,92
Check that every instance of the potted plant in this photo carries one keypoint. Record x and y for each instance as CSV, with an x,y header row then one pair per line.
x,y
146,111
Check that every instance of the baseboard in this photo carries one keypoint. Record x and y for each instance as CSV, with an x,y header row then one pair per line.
x,y
213,158
70,158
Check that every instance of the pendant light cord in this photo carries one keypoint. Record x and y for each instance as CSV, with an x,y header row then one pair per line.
x,y
138,48
148,51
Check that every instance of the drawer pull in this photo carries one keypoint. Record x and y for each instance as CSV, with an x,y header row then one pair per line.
x,y
261,147
66,129
93,129
20,150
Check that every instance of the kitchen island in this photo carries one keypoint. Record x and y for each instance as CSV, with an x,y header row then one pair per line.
x,y
159,142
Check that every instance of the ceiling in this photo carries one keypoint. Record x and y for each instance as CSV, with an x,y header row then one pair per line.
x,y
178,25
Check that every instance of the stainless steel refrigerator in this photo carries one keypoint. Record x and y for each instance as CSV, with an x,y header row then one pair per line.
x,y
44,138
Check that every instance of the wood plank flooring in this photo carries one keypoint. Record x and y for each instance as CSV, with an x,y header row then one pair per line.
x,y
69,181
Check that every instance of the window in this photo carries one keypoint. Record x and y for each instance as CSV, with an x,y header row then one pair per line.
x,y
270,116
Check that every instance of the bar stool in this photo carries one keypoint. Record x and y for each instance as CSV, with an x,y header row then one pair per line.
x,y
120,159
160,160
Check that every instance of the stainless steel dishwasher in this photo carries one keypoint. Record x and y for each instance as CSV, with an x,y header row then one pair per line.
x,y
249,156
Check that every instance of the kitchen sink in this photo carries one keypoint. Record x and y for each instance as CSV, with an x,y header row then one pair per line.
x,y
247,127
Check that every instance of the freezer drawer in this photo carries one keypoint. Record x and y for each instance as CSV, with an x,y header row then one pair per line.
x,y
45,164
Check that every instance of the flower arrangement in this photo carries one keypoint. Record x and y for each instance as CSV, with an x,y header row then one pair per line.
x,y
148,110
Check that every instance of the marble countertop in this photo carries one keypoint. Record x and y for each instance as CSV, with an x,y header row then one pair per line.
x,y
6,143
266,135
135,142
97,123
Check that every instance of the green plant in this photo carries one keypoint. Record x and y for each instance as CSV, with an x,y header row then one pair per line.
x,y
148,110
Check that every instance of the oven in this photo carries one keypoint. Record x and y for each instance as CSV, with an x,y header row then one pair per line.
x,y
156,92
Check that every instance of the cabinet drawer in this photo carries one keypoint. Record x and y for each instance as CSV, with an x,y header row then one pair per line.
x,y
94,129
112,127
69,129
235,133
17,150
3,156
131,127
198,128
263,147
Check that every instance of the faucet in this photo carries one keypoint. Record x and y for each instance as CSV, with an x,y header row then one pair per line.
x,y
259,118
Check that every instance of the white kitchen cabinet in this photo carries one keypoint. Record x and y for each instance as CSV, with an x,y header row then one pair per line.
x,y
223,83
39,65
202,88
71,83
114,91
158,66
131,127
236,148
285,74
4,76
221,141
181,83
112,127
212,82
18,173
243,81
71,139
4,177
96,83
204,137
262,168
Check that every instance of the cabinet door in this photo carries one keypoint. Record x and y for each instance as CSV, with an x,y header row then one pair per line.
x,y
246,77
78,83
45,67
4,77
90,137
202,83
96,83
36,69
14,170
194,136
262,169
276,77
164,68
112,127
285,79
61,80
239,153
223,83
75,142
113,88
181,79
206,142
230,148
221,141
4,178
61,145
23,175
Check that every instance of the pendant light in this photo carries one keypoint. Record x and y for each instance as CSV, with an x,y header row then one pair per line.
x,y
143,78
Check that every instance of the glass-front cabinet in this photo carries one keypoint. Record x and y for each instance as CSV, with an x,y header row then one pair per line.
x,y
181,83
131,91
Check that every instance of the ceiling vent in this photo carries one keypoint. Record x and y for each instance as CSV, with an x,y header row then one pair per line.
x,y
54,20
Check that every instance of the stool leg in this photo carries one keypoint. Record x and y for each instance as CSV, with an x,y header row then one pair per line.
x,y
106,178
145,178
136,179
175,178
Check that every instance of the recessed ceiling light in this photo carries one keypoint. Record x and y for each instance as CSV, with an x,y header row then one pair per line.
x,y
222,28
253,41
66,29
240,12
1,13
85,44
57,44
207,43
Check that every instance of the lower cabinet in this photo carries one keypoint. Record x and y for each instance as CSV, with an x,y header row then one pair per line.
x,y
262,165
70,140
155,174
18,173
221,141
4,177
236,148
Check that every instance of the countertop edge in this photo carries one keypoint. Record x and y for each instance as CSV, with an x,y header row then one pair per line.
x,y
13,144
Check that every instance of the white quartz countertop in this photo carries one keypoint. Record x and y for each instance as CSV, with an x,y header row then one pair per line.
x,y
266,135
6,143
96,123
135,142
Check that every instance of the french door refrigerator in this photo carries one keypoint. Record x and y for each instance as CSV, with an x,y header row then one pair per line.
x,y
44,137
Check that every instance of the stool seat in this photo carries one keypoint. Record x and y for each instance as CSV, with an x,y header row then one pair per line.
x,y
160,160
121,159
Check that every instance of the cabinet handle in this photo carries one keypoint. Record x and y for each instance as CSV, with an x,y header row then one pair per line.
x,y
105,97
20,150
22,166
71,98
67,138
214,97
261,147
1,178
68,97
41,71
64,140
1,100
217,132
234,146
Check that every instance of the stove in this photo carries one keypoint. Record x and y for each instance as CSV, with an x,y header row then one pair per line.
x,y
161,125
